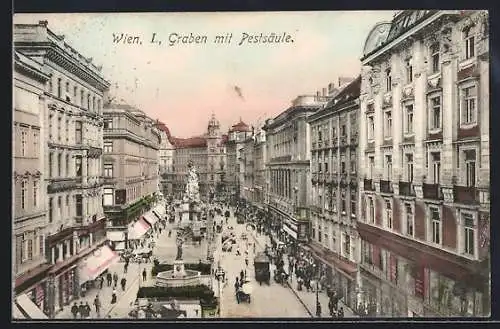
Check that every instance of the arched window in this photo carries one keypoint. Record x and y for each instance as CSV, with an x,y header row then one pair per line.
x,y
434,52
468,34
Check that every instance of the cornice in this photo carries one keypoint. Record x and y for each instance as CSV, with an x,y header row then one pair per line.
x,y
21,67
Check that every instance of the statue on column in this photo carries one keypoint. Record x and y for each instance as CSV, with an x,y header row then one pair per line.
x,y
179,249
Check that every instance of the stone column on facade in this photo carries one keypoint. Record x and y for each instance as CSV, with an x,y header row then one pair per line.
x,y
84,168
60,255
52,255
449,119
68,248
419,113
484,121
378,136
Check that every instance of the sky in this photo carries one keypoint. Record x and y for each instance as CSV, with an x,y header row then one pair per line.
x,y
182,85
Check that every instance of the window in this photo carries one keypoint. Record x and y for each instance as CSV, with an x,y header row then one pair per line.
x,y
108,170
371,128
51,210
319,166
107,197
470,168
436,167
334,132
79,205
51,87
36,193
59,165
343,130
388,214
469,234
30,248
108,147
469,43
94,104
67,165
59,122
78,132
51,164
387,124
59,207
108,123
347,245
371,166
36,135
75,92
435,225
409,167
319,136
24,191
82,95
435,115
24,141
409,70
388,80
99,105
59,88
353,164
371,210
353,206
409,119
409,219
342,167
468,105
434,50
343,204
88,102
326,167
388,167
78,166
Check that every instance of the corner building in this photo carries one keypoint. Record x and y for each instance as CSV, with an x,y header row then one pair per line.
x,y
424,173
28,181
334,193
130,163
73,151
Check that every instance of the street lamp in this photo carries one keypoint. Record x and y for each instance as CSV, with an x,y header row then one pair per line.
x,y
318,304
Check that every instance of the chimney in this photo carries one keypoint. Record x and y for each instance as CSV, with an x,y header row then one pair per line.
x,y
323,91
318,94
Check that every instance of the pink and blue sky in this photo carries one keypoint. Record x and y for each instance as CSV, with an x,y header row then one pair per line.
x,y
183,85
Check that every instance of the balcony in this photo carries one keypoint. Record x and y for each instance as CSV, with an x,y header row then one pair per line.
x,y
406,189
432,192
368,185
386,187
62,184
110,180
465,194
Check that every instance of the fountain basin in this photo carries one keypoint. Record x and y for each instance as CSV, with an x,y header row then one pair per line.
x,y
173,279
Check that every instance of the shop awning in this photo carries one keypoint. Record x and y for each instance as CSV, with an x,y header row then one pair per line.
x,y
150,218
16,312
160,210
138,229
100,260
29,308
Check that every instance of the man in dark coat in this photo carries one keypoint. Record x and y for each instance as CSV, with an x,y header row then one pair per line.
x,y
123,283
109,278
81,310
115,279
74,310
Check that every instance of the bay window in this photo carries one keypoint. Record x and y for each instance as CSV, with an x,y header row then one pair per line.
x,y
434,52
435,113
387,124
470,168
469,234
408,121
435,225
469,44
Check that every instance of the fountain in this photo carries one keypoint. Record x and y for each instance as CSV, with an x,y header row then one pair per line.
x,y
179,276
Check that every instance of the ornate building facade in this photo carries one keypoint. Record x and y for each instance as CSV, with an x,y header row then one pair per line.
x,y
166,158
237,135
424,173
208,155
73,151
288,168
131,173
334,193
28,185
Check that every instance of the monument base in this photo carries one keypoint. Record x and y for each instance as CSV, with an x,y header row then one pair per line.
x,y
179,271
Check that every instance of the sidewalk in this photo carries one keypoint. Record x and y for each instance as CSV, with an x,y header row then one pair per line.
x,y
308,299
133,275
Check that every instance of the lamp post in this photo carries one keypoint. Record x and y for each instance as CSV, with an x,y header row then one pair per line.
x,y
318,304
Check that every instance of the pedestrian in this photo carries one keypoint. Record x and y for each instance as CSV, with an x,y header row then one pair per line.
x,y
236,285
113,297
123,283
86,310
97,304
101,282
242,275
125,267
115,280
109,277
246,261
144,274
81,310
74,310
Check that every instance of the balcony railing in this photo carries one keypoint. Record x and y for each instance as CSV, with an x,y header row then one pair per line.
x,y
406,189
465,194
62,184
432,191
386,186
368,185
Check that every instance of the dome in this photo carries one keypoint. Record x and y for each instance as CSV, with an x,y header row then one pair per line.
x,y
213,122
376,37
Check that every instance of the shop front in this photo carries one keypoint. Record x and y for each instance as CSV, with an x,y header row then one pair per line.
x,y
342,273
33,283
65,288
27,307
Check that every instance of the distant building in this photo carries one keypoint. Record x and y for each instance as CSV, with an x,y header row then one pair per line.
x,y
237,135
166,158
288,163
131,179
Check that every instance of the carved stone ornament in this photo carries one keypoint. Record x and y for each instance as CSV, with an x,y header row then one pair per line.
x,y
447,195
408,91
434,82
388,99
